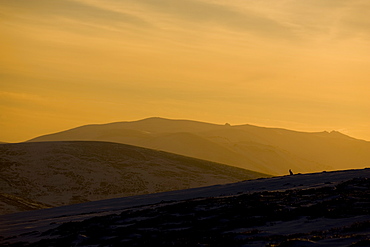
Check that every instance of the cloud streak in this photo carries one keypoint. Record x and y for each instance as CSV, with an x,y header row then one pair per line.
x,y
54,12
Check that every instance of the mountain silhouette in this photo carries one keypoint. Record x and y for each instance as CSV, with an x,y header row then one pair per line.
x,y
266,150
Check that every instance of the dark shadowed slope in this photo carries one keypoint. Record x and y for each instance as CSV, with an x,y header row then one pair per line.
x,y
322,209
49,174
267,150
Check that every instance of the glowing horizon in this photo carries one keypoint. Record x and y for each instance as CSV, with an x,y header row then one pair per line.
x,y
288,64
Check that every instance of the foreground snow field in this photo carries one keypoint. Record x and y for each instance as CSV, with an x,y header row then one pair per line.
x,y
322,209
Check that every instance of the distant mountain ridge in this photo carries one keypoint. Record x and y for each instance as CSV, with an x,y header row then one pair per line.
x,y
49,174
266,150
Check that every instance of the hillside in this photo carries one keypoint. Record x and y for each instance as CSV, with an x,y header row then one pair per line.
x,y
321,209
267,150
50,174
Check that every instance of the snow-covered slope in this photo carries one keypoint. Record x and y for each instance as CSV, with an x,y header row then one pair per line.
x,y
267,150
322,209
49,174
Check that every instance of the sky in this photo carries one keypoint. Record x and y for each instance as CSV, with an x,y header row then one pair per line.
x,y
301,65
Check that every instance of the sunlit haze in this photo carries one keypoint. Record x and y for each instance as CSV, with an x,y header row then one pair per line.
x,y
301,65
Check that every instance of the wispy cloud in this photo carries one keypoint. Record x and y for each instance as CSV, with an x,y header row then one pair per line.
x,y
50,12
15,100
190,13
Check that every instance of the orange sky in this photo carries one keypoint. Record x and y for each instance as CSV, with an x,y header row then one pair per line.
x,y
301,65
